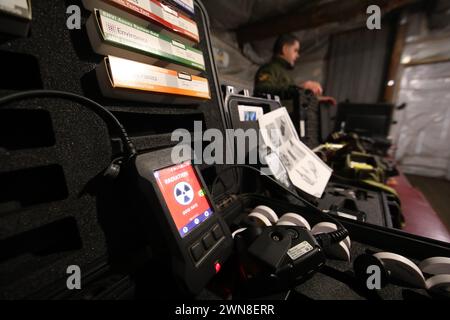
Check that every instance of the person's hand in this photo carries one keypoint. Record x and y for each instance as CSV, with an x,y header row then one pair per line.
x,y
328,100
314,86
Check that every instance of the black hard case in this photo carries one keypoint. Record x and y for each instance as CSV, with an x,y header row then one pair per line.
x,y
53,210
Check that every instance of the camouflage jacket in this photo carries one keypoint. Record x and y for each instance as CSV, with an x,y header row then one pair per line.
x,y
274,78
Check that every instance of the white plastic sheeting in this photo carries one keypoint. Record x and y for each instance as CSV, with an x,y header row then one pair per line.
x,y
423,137
431,49
233,67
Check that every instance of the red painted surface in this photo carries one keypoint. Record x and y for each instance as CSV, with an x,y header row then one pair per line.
x,y
420,217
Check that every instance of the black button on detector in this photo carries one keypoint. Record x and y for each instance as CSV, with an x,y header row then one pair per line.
x,y
208,241
217,232
197,251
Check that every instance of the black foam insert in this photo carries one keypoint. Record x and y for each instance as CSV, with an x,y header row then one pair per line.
x,y
25,129
28,187
43,133
47,184
20,71
143,124
337,281
59,236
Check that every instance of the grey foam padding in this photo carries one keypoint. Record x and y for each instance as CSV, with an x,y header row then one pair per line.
x,y
54,57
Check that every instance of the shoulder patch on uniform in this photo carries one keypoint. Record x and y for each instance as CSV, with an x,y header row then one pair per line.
x,y
263,77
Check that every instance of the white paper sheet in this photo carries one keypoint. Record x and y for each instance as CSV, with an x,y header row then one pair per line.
x,y
305,169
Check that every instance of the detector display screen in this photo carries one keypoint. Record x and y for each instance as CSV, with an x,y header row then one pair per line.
x,y
184,196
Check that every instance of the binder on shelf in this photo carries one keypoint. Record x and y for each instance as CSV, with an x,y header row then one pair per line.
x,y
187,5
112,35
130,80
15,17
144,11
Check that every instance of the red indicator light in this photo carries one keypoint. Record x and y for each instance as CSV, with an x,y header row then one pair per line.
x,y
217,266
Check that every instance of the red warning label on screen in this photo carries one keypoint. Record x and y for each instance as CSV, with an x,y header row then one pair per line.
x,y
184,196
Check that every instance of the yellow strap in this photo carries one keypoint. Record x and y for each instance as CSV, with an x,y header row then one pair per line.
x,y
360,166
381,186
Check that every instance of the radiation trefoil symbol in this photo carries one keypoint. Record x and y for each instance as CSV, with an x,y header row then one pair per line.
x,y
183,193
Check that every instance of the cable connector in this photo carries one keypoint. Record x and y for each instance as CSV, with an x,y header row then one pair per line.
x,y
326,240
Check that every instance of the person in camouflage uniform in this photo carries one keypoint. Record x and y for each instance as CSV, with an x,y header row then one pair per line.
x,y
274,77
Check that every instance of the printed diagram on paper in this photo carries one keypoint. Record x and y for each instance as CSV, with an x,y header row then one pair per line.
x,y
305,170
